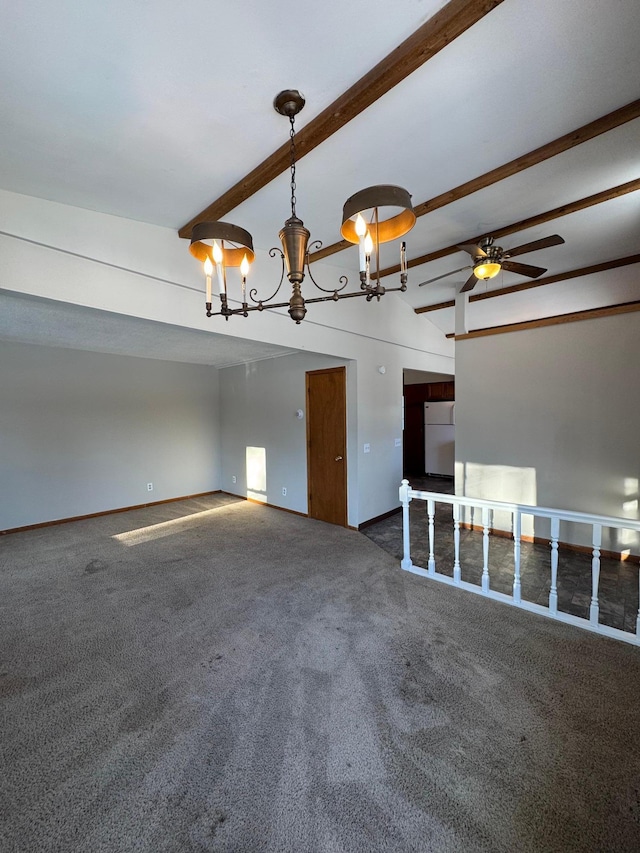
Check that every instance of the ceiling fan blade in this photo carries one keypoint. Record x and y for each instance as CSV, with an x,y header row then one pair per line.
x,y
544,243
446,275
474,250
523,269
469,284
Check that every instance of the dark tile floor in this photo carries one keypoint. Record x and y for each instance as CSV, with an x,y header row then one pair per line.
x,y
618,580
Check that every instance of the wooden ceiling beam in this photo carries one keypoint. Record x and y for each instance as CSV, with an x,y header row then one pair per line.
x,y
533,221
540,282
446,25
555,320
538,155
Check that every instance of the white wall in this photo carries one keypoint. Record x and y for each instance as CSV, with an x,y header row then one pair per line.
x,y
551,417
83,432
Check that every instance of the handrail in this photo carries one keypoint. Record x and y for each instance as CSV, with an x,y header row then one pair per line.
x,y
517,511
524,509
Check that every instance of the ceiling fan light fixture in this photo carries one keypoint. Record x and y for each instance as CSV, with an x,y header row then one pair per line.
x,y
486,270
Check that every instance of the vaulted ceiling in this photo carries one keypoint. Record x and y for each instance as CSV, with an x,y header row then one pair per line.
x,y
518,118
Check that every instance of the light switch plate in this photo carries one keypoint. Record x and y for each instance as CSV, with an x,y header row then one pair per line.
x,y
367,448
398,442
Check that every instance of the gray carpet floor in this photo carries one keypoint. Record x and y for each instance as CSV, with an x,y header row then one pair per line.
x,y
213,675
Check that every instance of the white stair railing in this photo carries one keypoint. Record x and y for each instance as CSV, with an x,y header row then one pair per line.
x,y
555,516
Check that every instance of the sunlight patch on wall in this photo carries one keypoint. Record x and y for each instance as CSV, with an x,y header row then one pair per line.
x,y
499,483
630,494
629,539
256,462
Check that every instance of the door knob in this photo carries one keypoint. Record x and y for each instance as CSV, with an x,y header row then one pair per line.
x,y
338,458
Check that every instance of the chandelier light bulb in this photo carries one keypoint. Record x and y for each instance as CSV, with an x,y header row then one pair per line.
x,y
368,244
217,257
244,267
208,271
361,230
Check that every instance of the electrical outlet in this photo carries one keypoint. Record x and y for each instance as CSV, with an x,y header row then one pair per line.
x,y
398,442
367,448
234,479
149,487
284,491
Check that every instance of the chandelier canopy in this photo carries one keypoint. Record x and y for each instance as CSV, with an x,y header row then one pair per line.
x,y
221,245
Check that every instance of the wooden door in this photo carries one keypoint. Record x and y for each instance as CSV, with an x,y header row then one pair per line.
x,y
327,444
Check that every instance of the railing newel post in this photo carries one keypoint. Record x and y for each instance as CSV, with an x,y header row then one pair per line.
x,y
405,499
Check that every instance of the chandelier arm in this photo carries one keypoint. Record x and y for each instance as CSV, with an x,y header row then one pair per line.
x,y
370,294
343,280
244,311
253,293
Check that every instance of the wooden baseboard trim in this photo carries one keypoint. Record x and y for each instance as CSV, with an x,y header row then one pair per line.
x,y
104,512
568,546
273,506
379,518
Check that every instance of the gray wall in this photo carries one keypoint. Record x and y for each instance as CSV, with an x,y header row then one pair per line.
x,y
84,432
551,417
259,405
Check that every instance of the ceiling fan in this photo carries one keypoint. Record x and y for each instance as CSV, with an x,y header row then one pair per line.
x,y
488,260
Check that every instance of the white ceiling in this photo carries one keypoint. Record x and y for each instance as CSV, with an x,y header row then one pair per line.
x,y
152,110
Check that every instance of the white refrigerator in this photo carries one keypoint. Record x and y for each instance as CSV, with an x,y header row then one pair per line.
x,y
439,438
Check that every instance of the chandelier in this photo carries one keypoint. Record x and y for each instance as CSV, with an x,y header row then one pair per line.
x,y
222,246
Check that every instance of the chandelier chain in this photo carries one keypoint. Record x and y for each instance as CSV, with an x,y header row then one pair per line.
x,y
292,135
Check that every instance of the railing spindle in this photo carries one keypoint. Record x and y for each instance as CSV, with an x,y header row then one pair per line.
x,y
485,549
638,616
517,527
553,592
456,543
594,610
405,499
431,512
